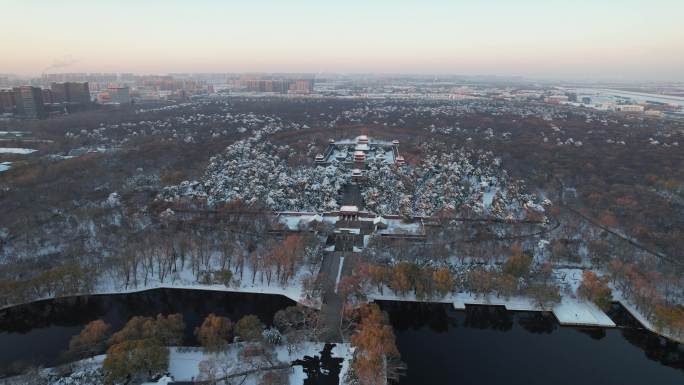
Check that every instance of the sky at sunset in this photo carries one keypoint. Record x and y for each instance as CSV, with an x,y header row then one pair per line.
x,y
582,39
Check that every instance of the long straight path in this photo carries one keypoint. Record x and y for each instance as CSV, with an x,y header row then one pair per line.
x,y
332,269
331,310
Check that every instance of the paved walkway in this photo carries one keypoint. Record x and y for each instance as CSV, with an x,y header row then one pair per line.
x,y
331,311
351,196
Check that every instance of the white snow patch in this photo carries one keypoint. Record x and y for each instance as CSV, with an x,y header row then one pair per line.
x,y
397,226
184,362
15,150
339,273
488,197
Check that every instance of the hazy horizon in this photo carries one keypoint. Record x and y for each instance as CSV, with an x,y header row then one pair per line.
x,y
580,40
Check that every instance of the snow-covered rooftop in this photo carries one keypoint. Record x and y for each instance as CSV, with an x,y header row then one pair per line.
x,y
349,209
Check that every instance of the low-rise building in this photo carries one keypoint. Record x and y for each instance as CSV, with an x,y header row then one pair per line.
x,y
629,108
120,95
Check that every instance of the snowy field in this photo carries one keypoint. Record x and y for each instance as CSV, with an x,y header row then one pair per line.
x,y
4,166
186,280
184,363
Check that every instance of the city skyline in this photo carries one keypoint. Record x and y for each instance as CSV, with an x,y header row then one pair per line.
x,y
613,40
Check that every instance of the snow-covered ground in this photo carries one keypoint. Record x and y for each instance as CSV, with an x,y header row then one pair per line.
x,y
184,362
4,166
15,150
186,280
398,226
14,133
84,372
582,313
346,351
292,291
294,220
184,365
339,273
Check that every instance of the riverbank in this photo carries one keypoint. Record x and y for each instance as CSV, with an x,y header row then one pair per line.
x,y
569,312
645,322
185,280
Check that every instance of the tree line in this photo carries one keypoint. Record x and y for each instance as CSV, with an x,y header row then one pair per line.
x,y
515,277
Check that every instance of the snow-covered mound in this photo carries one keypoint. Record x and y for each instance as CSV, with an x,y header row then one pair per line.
x,y
255,171
451,180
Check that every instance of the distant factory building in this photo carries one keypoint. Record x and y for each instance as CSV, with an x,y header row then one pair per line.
x,y
557,99
629,108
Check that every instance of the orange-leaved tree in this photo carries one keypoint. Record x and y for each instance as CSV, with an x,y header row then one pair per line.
x,y
375,344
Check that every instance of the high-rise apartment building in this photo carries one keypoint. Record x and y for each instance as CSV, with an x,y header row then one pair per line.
x,y
59,92
29,101
71,92
47,96
79,93
302,86
278,85
7,103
